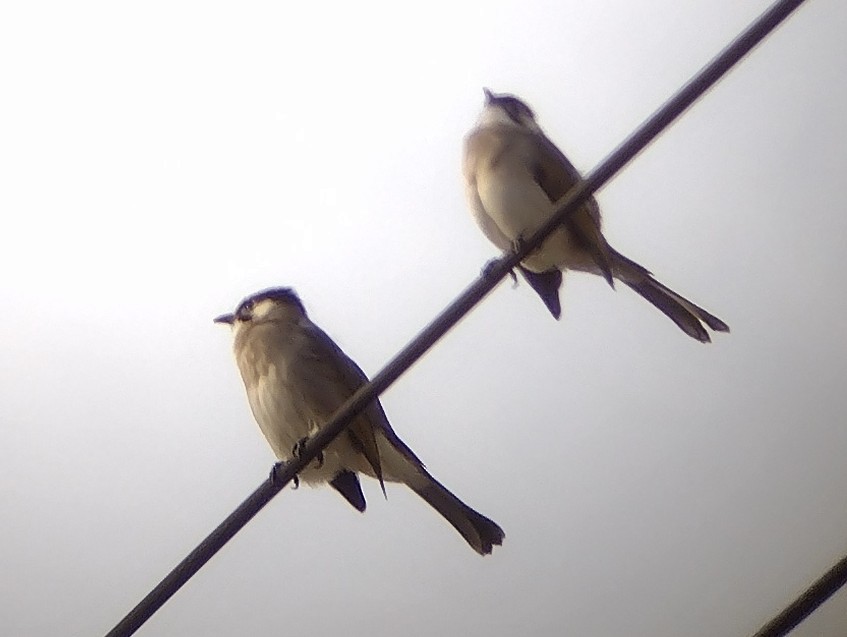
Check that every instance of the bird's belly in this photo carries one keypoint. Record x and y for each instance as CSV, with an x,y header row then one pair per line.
x,y
515,203
486,223
274,406
519,207
280,410
559,250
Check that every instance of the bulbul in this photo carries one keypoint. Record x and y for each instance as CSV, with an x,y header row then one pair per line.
x,y
296,377
513,176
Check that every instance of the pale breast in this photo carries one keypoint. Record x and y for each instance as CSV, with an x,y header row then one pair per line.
x,y
291,394
507,201
277,404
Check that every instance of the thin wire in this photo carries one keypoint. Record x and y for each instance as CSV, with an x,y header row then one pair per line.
x,y
282,474
810,600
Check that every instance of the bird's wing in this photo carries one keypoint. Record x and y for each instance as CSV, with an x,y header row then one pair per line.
x,y
346,373
557,175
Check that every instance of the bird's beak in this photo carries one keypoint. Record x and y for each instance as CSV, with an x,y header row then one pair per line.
x,y
229,319
489,96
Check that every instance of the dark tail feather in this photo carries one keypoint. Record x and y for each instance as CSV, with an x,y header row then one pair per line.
x,y
709,319
676,312
546,285
480,532
688,316
347,484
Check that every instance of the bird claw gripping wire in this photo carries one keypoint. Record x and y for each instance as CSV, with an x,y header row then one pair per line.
x,y
297,450
518,244
295,480
274,474
488,267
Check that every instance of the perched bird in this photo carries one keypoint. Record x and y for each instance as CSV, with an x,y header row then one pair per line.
x,y
513,175
296,377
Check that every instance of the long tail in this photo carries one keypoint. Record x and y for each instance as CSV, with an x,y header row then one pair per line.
x,y
480,532
402,465
688,316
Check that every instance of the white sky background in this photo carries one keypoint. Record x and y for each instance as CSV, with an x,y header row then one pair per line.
x,y
161,161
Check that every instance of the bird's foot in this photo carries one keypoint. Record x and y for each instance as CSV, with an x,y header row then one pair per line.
x,y
297,451
488,267
274,477
518,244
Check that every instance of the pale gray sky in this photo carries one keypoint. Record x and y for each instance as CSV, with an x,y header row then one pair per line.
x,y
161,161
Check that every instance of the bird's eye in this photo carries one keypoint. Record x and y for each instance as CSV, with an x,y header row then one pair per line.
x,y
245,311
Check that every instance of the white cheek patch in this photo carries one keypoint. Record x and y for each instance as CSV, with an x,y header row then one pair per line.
x,y
262,309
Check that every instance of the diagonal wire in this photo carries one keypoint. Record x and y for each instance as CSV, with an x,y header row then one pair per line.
x,y
282,474
809,601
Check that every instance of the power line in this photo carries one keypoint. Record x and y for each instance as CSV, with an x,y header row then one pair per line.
x,y
809,601
282,474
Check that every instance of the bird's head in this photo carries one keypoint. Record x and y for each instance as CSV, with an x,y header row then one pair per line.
x,y
502,108
273,304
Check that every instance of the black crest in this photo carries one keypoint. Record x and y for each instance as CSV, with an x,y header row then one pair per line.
x,y
516,109
283,295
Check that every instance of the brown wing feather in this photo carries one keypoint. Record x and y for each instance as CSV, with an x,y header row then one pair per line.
x,y
350,376
556,176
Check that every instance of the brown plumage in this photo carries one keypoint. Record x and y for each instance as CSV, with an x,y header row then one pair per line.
x,y
513,175
296,377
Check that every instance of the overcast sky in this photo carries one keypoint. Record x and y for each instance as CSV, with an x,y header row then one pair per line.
x,y
162,160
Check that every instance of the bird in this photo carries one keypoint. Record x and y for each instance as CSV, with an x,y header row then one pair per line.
x,y
296,377
513,175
